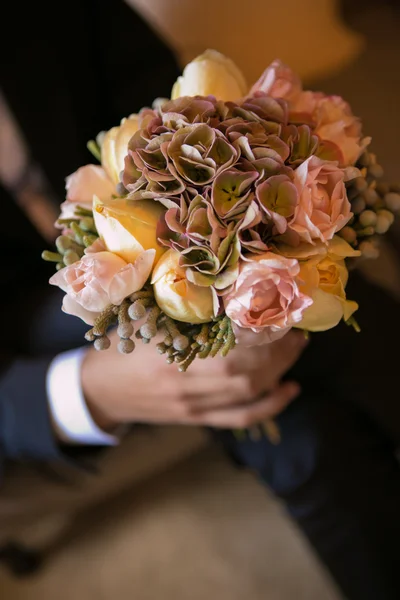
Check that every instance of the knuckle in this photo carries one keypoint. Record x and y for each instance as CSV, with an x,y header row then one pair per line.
x,y
245,420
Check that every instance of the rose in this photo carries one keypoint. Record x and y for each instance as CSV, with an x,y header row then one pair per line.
x,y
331,116
178,297
82,185
339,130
128,228
323,276
266,297
100,278
323,207
335,123
114,147
278,81
213,74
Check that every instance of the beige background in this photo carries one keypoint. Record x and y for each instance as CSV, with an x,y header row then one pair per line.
x,y
307,34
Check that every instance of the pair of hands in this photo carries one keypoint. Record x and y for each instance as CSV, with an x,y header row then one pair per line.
x,y
238,391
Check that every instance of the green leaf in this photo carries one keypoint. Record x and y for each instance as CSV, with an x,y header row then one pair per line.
x,y
94,148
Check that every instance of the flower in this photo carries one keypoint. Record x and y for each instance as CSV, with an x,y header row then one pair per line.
x,y
81,186
331,117
115,146
128,228
199,153
323,207
178,297
99,279
336,124
339,130
323,276
278,198
266,296
278,81
211,73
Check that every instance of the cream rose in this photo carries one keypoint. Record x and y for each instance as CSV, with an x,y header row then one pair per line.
x,y
81,186
128,228
100,278
323,276
211,73
266,297
178,297
114,147
323,207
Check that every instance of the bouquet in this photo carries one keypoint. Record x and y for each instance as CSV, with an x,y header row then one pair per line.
x,y
221,211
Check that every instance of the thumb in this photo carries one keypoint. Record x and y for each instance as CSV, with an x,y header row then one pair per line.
x,y
248,337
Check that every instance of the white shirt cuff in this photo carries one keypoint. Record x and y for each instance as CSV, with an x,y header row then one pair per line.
x,y
71,417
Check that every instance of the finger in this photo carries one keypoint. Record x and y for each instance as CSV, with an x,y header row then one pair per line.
x,y
199,387
253,413
222,400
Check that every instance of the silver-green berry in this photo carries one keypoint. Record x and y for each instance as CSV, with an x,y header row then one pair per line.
x,y
368,218
126,346
392,201
102,343
137,310
180,342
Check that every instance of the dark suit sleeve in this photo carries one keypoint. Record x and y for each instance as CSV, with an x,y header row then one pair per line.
x,y
25,428
115,65
32,331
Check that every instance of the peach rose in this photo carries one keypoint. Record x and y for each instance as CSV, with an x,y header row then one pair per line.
x,y
323,207
278,81
266,297
100,278
335,123
332,117
81,186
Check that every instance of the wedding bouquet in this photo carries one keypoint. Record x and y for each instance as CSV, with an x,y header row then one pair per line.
x,y
220,211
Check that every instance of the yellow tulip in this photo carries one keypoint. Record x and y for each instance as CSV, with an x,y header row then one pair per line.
x,y
178,297
128,228
211,73
114,147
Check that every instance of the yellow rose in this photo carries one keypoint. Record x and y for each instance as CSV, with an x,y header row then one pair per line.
x,y
114,147
323,276
128,228
178,297
211,73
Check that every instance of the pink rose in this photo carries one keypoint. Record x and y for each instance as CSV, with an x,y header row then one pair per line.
x,y
81,186
99,279
266,297
323,207
278,81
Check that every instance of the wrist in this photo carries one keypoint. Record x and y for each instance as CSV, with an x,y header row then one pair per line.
x,y
94,392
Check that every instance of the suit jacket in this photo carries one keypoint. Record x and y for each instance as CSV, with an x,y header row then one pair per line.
x,y
78,68
64,85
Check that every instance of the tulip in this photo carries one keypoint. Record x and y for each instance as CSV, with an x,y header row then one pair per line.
x,y
128,228
115,147
177,297
213,74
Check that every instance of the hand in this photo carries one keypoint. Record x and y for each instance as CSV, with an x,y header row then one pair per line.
x,y
233,392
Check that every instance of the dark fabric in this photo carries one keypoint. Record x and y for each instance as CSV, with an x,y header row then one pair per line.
x,y
335,468
71,69
79,70
68,70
